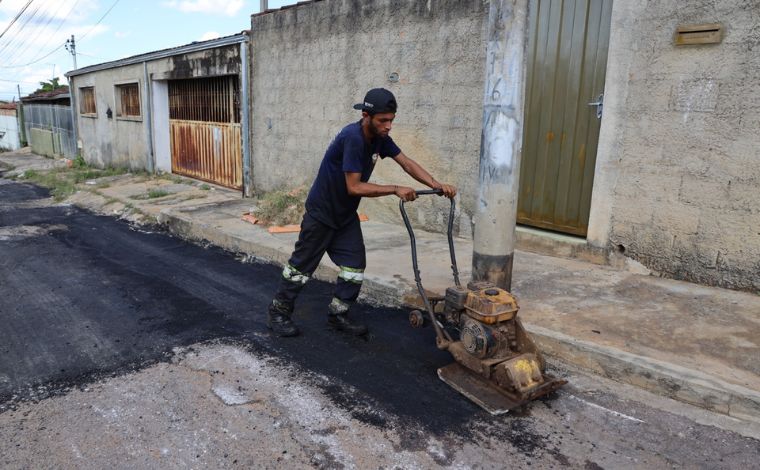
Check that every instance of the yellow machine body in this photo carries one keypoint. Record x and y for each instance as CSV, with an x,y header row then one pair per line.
x,y
497,363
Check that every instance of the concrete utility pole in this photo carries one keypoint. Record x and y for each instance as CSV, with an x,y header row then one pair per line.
x,y
71,46
20,115
501,141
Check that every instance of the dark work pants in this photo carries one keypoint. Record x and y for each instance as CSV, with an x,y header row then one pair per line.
x,y
344,246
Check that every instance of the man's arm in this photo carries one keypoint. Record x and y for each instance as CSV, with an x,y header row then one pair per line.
x,y
356,187
416,171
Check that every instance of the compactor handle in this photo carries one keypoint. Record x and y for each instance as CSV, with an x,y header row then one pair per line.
x,y
443,336
449,232
423,192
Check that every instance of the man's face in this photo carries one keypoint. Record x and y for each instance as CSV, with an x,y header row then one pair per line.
x,y
380,124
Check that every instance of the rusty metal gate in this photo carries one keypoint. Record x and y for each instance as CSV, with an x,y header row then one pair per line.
x,y
567,61
205,133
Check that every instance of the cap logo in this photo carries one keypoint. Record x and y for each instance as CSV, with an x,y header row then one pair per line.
x,y
368,104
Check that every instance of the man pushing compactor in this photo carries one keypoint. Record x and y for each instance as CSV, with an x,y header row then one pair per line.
x,y
331,223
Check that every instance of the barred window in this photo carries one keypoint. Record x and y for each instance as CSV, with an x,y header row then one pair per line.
x,y
87,100
214,99
128,100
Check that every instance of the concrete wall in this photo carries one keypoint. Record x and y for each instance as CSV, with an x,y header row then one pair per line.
x,y
41,142
677,173
9,130
161,138
118,141
677,182
123,141
311,63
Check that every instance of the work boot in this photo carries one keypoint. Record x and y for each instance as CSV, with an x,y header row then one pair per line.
x,y
278,320
341,322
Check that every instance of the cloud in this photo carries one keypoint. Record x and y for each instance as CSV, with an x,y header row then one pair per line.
x,y
45,10
44,27
210,35
121,34
213,7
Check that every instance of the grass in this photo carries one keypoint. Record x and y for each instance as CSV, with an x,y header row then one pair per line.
x,y
151,194
283,207
156,193
63,182
205,187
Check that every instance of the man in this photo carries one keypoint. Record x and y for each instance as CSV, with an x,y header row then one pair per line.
x,y
331,223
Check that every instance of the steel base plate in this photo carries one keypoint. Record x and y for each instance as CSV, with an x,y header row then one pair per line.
x,y
479,390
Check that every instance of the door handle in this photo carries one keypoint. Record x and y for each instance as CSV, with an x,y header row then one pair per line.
x,y
599,103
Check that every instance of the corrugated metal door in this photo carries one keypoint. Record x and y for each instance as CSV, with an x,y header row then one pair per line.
x,y
205,134
567,59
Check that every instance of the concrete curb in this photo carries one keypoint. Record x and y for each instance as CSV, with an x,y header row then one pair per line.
x,y
666,379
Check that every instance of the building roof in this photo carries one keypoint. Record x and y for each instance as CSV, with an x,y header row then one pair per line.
x,y
163,53
8,105
60,93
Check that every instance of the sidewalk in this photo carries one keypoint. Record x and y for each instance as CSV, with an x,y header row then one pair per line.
x,y
695,344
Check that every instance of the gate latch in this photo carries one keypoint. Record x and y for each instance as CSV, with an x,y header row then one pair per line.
x,y
599,103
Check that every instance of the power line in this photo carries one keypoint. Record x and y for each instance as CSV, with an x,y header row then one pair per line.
x,y
20,38
35,61
27,19
17,81
101,19
16,18
51,36
38,59
90,55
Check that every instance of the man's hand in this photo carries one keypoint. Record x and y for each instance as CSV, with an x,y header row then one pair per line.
x,y
448,190
405,194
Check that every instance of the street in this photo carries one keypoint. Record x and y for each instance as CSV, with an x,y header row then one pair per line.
x,y
122,346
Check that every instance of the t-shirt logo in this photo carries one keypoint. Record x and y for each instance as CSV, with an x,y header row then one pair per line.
x,y
375,156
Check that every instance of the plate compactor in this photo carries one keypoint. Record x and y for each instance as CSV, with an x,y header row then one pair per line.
x,y
497,363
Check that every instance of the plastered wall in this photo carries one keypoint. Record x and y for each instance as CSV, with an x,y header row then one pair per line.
x,y
9,130
677,183
116,142
123,142
312,62
677,176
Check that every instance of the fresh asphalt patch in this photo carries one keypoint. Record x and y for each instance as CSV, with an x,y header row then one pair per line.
x,y
86,297
98,297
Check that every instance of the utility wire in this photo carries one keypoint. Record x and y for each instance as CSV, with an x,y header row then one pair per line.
x,y
90,55
17,81
27,19
62,45
35,61
101,19
51,36
16,18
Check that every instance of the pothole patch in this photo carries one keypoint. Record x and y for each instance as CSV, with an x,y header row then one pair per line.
x,y
230,395
19,232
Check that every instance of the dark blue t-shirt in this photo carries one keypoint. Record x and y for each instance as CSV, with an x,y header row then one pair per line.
x,y
328,200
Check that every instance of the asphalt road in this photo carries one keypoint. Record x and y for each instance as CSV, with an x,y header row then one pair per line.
x,y
91,306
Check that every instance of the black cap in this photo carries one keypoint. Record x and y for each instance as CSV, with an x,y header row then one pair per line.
x,y
378,100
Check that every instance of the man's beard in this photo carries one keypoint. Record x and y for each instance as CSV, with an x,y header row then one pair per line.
x,y
374,130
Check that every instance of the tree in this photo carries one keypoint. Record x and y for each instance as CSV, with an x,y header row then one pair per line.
x,y
50,85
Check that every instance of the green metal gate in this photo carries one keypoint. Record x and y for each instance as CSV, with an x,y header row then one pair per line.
x,y
567,59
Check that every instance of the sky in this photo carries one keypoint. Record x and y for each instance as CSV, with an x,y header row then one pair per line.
x,y
32,49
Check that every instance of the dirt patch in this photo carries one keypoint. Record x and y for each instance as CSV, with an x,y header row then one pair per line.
x,y
283,207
